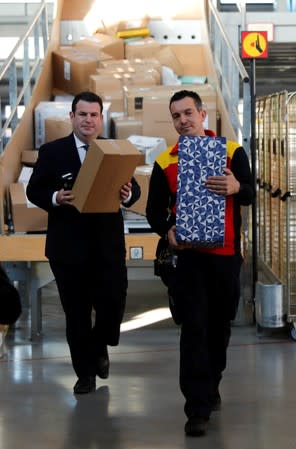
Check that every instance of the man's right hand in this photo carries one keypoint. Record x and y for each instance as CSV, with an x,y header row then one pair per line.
x,y
64,197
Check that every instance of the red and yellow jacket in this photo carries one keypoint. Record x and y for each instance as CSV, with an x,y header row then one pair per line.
x,y
161,204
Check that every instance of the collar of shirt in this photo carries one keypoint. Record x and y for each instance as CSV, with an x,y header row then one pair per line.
x,y
80,148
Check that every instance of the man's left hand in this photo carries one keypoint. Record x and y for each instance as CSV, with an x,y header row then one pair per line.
x,y
223,185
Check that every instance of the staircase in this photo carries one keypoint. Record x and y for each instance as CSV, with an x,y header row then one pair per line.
x,y
23,42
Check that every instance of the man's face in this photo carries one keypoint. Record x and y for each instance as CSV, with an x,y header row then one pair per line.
x,y
187,119
87,120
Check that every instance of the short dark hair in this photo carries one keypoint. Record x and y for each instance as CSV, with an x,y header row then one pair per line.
x,y
187,93
91,97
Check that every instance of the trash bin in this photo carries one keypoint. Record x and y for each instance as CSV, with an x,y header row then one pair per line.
x,y
269,305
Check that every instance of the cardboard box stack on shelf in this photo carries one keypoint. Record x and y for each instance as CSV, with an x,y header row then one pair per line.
x,y
72,68
129,76
26,216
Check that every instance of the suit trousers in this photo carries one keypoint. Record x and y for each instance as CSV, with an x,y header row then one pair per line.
x,y
93,297
207,291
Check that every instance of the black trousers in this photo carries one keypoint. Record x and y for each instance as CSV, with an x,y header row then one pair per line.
x,y
98,286
207,292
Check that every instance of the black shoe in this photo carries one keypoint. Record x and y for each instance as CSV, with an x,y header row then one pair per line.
x,y
103,365
196,426
85,385
216,402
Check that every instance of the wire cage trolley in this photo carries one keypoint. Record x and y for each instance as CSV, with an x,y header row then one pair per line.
x,y
276,213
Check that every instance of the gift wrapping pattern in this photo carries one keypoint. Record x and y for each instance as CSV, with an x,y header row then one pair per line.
x,y
200,214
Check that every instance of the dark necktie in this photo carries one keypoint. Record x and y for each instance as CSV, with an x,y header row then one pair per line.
x,y
86,146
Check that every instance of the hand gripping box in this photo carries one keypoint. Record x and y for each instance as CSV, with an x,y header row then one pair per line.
x,y
200,214
142,175
107,166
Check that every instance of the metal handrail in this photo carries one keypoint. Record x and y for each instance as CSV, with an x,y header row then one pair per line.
x,y
238,62
39,28
232,76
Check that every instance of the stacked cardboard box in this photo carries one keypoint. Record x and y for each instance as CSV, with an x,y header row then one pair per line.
x,y
141,48
131,65
72,68
99,43
111,79
123,126
26,216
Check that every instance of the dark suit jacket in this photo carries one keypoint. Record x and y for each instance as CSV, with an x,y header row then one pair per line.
x,y
73,236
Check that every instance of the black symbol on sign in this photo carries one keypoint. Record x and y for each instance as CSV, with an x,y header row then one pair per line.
x,y
257,45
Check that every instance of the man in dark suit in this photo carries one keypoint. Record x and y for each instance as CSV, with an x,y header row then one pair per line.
x,y
86,251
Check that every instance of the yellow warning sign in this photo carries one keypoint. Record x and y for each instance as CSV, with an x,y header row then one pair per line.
x,y
254,44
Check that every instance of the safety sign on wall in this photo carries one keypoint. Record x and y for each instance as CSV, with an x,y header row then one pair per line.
x,y
254,44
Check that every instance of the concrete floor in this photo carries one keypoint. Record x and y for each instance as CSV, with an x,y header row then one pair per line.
x,y
140,405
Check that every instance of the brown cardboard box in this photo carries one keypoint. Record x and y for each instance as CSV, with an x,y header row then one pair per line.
x,y
72,68
142,176
110,80
101,83
147,78
135,96
141,48
134,99
167,57
196,64
29,157
56,127
26,217
115,99
126,65
157,120
99,42
122,127
108,165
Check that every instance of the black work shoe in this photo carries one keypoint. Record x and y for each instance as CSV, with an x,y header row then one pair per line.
x,y
85,385
103,365
216,406
196,426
